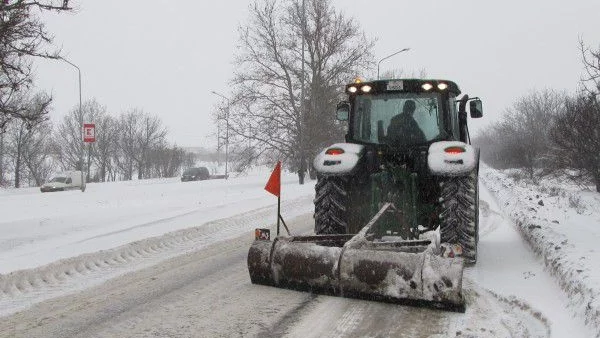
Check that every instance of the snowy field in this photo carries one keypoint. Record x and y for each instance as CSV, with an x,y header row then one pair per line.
x,y
55,244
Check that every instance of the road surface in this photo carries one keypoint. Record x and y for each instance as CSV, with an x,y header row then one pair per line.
x,y
207,293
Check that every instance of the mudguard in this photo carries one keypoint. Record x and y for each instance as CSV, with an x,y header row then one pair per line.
x,y
339,158
442,161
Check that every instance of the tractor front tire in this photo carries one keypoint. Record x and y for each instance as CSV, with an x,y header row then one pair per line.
x,y
331,205
460,214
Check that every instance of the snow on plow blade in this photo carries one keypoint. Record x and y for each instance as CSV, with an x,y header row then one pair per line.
x,y
360,269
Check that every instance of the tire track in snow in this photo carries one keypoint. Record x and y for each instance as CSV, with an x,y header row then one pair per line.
x,y
278,329
23,288
204,293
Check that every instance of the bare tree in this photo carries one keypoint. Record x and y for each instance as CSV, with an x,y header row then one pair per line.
x,y
591,62
139,134
17,133
28,151
106,146
27,141
525,128
127,129
151,134
22,36
165,161
36,155
577,146
269,107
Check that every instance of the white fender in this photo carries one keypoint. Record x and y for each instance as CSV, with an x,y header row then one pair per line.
x,y
339,163
444,163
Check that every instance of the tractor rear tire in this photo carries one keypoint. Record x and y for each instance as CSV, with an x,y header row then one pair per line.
x,y
460,214
332,205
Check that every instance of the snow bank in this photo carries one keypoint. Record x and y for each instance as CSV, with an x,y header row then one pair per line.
x,y
20,289
562,224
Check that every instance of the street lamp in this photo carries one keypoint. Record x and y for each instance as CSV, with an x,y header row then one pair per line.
x,y
80,121
389,56
226,130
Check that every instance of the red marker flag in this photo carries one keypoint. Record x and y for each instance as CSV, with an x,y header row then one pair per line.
x,y
274,184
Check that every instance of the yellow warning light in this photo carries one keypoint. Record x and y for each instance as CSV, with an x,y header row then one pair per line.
x,y
357,80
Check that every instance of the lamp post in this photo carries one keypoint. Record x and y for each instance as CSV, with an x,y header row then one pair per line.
x,y
226,130
389,56
80,121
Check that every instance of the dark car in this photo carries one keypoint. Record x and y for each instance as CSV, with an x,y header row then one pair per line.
x,y
195,174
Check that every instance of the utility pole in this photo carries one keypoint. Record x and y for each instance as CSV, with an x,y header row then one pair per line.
x,y
218,144
80,123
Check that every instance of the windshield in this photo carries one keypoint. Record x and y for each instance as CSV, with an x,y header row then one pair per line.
x,y
191,171
58,179
397,118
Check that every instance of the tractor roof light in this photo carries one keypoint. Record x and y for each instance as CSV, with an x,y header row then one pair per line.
x,y
366,88
427,86
442,86
455,150
352,89
357,80
334,151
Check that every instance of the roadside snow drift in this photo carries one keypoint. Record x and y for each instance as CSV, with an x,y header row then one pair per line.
x,y
562,224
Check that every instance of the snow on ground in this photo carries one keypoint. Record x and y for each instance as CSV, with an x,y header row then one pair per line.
x,y
509,270
37,229
49,242
57,243
562,225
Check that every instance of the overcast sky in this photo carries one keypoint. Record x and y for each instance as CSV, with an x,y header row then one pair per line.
x,y
167,56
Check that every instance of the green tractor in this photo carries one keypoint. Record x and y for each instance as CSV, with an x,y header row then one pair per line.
x,y
396,205
407,143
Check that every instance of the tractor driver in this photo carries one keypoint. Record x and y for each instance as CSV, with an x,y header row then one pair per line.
x,y
403,129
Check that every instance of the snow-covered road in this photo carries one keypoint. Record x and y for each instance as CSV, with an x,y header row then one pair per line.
x,y
207,293
194,281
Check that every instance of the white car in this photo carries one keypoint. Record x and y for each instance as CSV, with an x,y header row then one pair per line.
x,y
65,181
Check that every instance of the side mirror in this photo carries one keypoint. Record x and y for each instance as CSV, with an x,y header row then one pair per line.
x,y
476,109
342,111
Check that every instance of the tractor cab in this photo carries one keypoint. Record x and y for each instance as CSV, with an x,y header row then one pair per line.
x,y
406,113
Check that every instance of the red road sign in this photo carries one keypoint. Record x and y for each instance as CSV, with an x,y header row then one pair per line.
x,y
89,132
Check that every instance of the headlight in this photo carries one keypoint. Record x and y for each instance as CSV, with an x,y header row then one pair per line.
x,y
427,86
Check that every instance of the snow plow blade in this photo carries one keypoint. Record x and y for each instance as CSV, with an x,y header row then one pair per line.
x,y
407,272
382,275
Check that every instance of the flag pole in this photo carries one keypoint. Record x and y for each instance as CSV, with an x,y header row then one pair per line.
x,y
278,213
